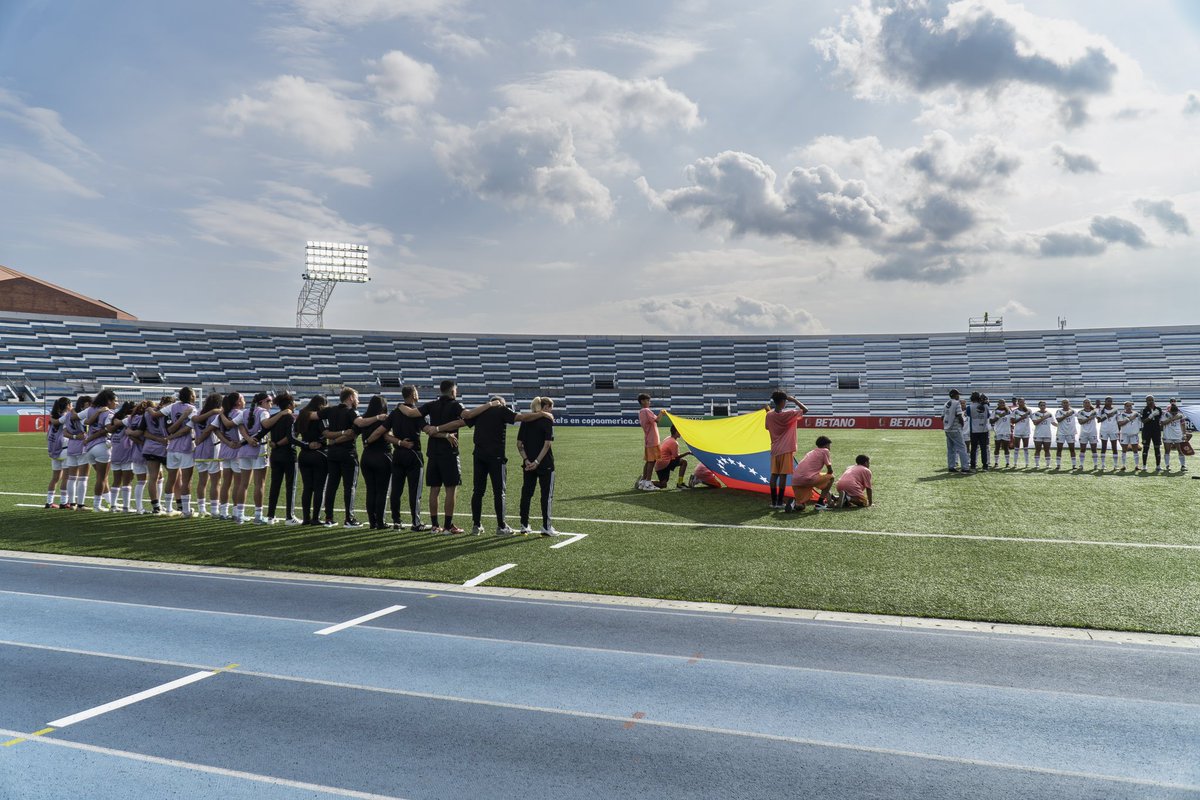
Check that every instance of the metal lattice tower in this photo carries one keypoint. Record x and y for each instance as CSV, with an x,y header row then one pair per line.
x,y
327,264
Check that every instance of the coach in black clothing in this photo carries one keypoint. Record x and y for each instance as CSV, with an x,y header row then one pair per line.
x,y
341,454
443,467
534,441
1151,433
490,422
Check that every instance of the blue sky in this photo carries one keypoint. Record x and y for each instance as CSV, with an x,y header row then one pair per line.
x,y
609,167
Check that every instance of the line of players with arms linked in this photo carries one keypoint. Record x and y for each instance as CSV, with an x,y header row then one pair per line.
x,y
1126,432
810,478
155,448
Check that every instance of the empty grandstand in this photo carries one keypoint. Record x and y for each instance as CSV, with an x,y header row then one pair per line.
x,y
599,376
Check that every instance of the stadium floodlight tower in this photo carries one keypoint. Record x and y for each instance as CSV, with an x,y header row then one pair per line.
x,y
327,264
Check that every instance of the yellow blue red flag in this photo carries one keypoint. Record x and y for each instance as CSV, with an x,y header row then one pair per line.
x,y
737,449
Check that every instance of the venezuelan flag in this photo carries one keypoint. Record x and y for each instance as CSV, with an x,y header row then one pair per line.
x,y
737,449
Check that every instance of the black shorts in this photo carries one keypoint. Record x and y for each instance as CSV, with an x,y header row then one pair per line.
x,y
666,471
154,458
443,469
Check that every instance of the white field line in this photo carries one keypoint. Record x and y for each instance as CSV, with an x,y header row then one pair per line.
x,y
491,573
29,505
899,534
575,537
131,699
225,773
341,626
850,531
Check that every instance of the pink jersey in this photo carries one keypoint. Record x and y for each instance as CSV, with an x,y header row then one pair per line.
x,y
649,421
810,466
177,411
855,481
668,451
782,427
706,475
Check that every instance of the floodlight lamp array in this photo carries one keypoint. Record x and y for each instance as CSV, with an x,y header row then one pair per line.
x,y
336,261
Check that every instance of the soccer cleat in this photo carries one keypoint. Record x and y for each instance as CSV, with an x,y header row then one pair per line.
x,y
820,507
791,508
479,530
262,521
505,531
549,531
435,528
188,514
51,505
352,523
452,530
525,530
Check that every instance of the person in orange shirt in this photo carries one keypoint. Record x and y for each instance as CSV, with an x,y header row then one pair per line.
x,y
854,486
649,422
670,460
703,476
815,471
781,423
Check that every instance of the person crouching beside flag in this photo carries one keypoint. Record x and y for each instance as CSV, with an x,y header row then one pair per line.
x,y
815,471
854,487
670,460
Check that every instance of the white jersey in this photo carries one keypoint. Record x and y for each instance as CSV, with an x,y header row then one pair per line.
x,y
1068,426
1002,424
1108,423
1087,425
1042,422
1172,431
1132,428
1020,422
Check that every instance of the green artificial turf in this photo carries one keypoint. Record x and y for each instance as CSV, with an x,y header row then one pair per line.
x,y
1086,585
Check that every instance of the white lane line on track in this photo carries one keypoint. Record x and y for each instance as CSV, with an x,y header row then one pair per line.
x,y
341,626
671,657
131,699
1030,637
575,537
491,573
851,531
691,728
226,773
898,534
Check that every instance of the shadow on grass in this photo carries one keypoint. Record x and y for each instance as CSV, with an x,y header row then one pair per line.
x,y
225,544
715,506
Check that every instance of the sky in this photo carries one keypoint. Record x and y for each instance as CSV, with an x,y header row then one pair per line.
x,y
616,167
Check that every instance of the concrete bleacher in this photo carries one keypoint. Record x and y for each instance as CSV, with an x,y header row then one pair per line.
x,y
600,375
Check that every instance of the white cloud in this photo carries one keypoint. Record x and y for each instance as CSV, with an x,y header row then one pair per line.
x,y
664,53
456,43
356,13
738,192
739,315
18,168
1164,212
1073,161
983,161
278,221
974,49
553,44
523,162
1118,230
1015,308
313,113
46,125
402,82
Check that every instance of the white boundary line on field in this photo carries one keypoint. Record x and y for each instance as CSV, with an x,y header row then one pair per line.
x,y
900,534
491,573
971,537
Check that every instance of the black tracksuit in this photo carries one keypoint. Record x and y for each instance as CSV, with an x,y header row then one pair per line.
x,y
314,468
1151,434
377,474
490,462
343,460
533,435
408,466
283,464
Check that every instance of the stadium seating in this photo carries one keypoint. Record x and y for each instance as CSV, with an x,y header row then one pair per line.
x,y
601,375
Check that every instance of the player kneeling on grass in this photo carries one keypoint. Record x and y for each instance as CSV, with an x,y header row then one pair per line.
x,y
815,471
669,460
1174,434
703,477
854,487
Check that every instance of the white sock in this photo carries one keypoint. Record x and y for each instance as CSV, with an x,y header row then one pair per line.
x,y
160,487
50,497
67,491
187,504
1102,455
127,496
168,501
1026,450
1182,461
96,502
81,490
1094,458
141,491
258,512
1168,459
112,496
1037,460
203,505
1059,461
239,512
